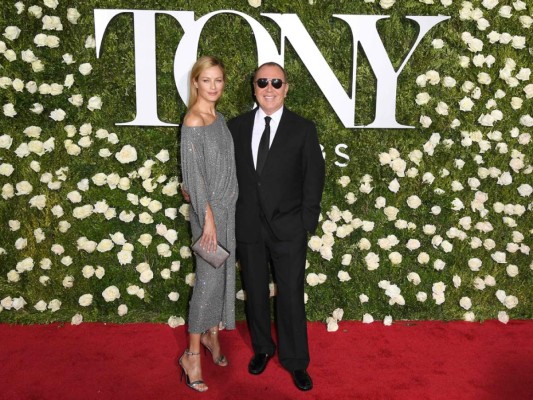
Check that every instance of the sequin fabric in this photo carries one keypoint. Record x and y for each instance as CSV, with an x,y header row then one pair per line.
x,y
209,176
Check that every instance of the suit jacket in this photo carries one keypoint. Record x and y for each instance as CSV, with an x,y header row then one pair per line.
x,y
289,190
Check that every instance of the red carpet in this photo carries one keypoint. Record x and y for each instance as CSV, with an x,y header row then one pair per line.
x,y
409,360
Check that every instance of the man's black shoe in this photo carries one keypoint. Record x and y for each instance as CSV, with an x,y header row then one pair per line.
x,y
258,363
302,380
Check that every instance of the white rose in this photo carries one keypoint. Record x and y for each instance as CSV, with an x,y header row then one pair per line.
x,y
332,325
58,114
510,302
526,120
343,181
174,321
466,303
190,279
343,276
391,212
94,103
413,244
122,310
185,252
367,319
76,319
394,186
439,265
482,24
499,257
83,211
13,276
163,250
11,32
68,281
145,239
425,121
85,68
364,244
414,278
85,300
146,276
127,216
111,293
73,15
385,4
528,90
76,100
475,45
421,297
38,201
503,317
372,261
105,245
88,271
99,272
173,296
145,218
484,78
525,190
442,108
395,258
437,43
466,104
414,202
489,4
10,55
127,154
433,77
9,110
51,3
346,259
52,23
124,257
469,316
163,156
51,41
512,270
422,98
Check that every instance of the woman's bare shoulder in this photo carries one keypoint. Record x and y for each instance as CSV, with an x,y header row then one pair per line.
x,y
193,119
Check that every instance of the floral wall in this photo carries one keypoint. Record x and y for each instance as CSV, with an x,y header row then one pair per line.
x,y
433,222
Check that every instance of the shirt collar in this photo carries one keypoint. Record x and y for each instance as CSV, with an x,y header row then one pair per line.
x,y
276,116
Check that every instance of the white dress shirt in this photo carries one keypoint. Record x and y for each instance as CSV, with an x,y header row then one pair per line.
x,y
259,127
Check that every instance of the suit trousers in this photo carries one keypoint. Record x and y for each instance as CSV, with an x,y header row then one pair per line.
x,y
287,260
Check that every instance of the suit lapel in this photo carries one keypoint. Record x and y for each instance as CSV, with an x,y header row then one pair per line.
x,y
248,128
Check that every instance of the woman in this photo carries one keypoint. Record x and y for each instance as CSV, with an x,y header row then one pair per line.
x,y
208,170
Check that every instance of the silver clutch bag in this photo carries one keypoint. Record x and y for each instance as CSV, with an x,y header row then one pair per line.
x,y
215,258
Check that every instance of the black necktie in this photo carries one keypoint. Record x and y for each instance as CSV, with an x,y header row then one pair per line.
x,y
264,145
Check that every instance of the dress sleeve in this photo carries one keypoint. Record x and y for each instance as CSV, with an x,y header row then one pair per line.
x,y
193,170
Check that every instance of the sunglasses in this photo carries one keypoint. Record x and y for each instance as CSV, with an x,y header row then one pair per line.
x,y
263,83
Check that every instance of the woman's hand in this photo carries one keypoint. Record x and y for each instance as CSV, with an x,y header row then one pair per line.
x,y
185,194
209,235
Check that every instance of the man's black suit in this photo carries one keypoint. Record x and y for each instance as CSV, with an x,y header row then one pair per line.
x,y
275,211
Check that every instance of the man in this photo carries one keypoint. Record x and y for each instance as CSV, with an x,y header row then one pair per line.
x,y
280,171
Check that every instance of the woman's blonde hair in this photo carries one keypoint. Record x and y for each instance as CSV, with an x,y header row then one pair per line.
x,y
200,66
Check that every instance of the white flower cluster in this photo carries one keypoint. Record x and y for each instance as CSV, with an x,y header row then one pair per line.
x,y
464,190
393,292
78,139
333,321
